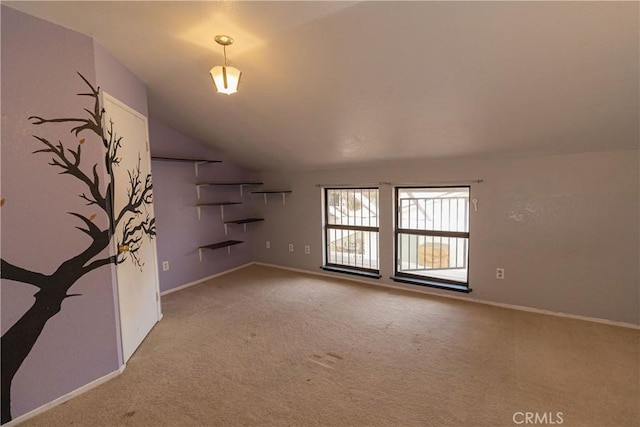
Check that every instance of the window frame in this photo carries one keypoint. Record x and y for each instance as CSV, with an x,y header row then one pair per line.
x,y
423,280
327,226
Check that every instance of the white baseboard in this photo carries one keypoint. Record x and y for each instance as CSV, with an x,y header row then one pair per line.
x,y
60,400
114,374
422,290
187,285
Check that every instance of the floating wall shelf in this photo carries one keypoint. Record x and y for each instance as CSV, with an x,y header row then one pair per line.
x,y
265,193
244,223
226,244
195,162
240,184
221,204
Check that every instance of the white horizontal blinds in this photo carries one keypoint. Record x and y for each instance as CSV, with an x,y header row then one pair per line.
x,y
433,232
352,227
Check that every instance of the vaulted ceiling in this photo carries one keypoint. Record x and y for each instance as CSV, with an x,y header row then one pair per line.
x,y
333,84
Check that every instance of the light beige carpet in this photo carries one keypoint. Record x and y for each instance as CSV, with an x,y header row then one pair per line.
x,y
263,346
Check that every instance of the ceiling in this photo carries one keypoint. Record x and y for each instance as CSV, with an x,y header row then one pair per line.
x,y
336,84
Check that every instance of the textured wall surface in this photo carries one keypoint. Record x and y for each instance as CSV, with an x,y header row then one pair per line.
x,y
564,227
79,344
118,81
180,232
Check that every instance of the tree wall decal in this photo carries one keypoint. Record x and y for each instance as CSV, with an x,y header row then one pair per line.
x,y
53,288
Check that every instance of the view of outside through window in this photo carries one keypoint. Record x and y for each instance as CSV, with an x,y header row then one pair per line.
x,y
433,232
352,227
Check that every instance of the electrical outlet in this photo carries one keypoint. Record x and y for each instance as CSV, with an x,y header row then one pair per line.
x,y
500,273
290,247
268,245
307,249
165,265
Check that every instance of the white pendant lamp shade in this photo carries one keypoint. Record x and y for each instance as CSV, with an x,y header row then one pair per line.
x,y
226,79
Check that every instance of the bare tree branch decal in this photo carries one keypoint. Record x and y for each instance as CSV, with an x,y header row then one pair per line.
x,y
53,289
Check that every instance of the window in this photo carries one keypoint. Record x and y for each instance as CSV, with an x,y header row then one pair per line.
x,y
351,230
432,236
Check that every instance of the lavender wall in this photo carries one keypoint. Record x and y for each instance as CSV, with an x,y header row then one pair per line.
x,y
566,228
179,230
79,344
118,81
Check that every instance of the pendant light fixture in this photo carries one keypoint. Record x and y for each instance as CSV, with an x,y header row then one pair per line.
x,y
224,77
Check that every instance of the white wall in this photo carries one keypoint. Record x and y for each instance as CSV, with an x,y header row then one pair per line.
x,y
564,227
